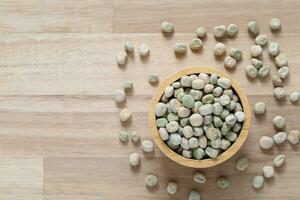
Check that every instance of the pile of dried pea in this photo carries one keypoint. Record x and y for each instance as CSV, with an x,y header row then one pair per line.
x,y
256,69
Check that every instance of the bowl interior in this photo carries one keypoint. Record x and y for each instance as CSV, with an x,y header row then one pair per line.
x,y
205,163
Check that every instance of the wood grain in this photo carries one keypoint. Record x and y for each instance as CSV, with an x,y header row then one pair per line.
x,y
205,163
21,178
57,79
48,16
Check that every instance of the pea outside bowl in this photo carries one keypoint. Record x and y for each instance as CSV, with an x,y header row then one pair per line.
x,y
205,163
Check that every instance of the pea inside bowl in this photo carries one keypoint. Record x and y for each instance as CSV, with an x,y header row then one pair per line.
x,y
199,117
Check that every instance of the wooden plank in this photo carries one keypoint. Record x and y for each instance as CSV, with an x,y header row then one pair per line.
x,y
145,16
112,177
82,126
21,178
77,64
68,16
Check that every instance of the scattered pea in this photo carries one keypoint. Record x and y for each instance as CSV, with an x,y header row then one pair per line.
x,y
144,50
253,28
294,97
199,177
180,48
219,49
120,96
125,115
123,136
121,58
219,31
196,44
256,63
134,159
153,79
279,160
275,24
268,171
135,138
172,187
256,51
281,60
167,27
261,40
283,72
129,48
151,180
259,108
273,49
127,85
279,122
294,137
266,142
280,137
194,195
251,71
235,53
279,93
147,146
223,182
232,30
264,71
258,182
242,164
229,62
277,82
201,32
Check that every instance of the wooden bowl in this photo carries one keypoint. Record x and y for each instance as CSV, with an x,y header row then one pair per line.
x,y
205,163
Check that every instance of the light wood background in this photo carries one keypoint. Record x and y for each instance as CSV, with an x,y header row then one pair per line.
x,y
59,123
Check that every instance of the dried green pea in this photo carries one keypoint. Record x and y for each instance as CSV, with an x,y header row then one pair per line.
x,y
229,62
129,48
232,30
223,182
144,50
188,101
261,40
242,164
279,137
199,177
273,49
153,79
120,96
198,153
134,137
121,58
194,195
266,142
279,160
219,31
256,51
196,44
180,48
236,53
281,60
251,71
134,159
163,133
167,27
123,136
294,97
125,115
294,137
259,108
277,82
257,182
264,71
253,28
127,85
219,49
147,146
187,153
151,180
279,93
161,122
211,152
275,24
268,171
201,32
256,63
283,72
172,187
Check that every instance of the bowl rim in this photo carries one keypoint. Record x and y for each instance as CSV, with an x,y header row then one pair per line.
x,y
205,163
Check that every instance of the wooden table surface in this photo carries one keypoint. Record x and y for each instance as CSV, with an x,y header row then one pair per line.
x,y
59,123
